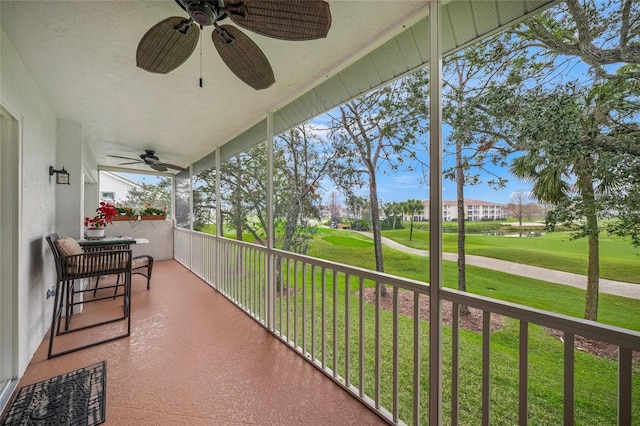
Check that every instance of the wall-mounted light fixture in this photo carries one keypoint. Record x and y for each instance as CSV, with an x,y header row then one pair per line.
x,y
62,176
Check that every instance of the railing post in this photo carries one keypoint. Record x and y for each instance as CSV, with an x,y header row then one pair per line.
x,y
435,215
219,223
270,260
191,216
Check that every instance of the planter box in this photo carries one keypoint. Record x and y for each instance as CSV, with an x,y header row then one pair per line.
x,y
121,217
153,217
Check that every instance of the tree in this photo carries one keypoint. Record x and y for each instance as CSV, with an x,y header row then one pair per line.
x,y
305,162
477,85
600,33
517,207
569,169
373,129
392,211
410,208
589,135
356,206
153,195
333,207
204,200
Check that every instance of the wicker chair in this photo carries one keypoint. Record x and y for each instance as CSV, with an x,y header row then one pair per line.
x,y
73,265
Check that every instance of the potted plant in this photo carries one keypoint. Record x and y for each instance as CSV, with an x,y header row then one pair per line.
x,y
152,213
125,210
94,227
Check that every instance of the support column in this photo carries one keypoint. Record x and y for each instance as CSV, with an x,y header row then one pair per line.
x,y
219,222
271,271
435,214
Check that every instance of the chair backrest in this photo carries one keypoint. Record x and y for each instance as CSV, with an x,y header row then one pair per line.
x,y
51,239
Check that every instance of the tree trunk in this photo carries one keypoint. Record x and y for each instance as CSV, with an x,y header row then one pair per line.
x,y
411,229
593,269
520,221
375,225
462,270
291,224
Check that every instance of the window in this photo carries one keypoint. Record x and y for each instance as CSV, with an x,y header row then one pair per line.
x,y
108,196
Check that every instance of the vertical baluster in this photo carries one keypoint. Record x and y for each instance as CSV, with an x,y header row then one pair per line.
x,y
335,323
288,299
625,374
295,304
455,365
569,378
361,342
283,290
524,377
347,332
395,349
313,312
486,367
376,392
416,358
304,307
324,318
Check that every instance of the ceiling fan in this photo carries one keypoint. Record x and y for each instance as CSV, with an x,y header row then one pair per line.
x,y
150,159
170,42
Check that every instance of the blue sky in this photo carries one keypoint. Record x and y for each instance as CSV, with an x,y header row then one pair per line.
x,y
403,185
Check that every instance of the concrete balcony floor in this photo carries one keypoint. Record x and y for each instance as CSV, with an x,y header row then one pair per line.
x,y
194,358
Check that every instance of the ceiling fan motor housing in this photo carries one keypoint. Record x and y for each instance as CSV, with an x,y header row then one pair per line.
x,y
204,12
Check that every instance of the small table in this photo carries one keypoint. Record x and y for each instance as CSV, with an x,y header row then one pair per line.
x,y
109,241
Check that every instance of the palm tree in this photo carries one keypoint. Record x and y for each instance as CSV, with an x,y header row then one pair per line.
x,y
558,183
394,209
410,208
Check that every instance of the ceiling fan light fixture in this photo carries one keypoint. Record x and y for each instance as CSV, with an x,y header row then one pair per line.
x,y
203,12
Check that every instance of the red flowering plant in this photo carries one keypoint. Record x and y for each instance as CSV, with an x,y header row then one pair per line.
x,y
104,215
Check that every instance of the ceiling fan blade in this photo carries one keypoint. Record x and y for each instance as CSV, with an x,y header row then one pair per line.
x,y
243,57
158,167
171,166
132,162
286,20
124,158
164,48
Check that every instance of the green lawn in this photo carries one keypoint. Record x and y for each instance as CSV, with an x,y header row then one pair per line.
x,y
619,260
354,249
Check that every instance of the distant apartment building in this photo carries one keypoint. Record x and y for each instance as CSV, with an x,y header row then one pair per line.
x,y
475,210
325,211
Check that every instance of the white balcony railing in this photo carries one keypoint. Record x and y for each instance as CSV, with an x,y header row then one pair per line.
x,y
380,356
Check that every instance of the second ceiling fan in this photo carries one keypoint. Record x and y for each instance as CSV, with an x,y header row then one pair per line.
x,y
150,159
171,41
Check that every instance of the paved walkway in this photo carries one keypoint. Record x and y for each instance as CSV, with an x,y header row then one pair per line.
x,y
617,288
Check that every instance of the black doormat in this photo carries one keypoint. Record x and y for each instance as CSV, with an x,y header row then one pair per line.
x,y
75,398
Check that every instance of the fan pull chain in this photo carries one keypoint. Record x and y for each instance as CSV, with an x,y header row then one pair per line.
x,y
201,80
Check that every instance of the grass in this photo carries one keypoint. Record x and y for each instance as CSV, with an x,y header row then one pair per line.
x,y
619,260
354,249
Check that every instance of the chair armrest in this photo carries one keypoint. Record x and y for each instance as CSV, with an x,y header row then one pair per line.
x,y
95,263
90,249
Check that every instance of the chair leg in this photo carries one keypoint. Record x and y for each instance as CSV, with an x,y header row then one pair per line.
x,y
115,291
149,269
95,290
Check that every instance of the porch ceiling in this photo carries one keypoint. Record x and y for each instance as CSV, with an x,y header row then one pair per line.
x,y
82,56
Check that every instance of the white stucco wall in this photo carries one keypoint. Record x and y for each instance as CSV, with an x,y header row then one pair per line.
x,y
69,198
158,232
36,270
